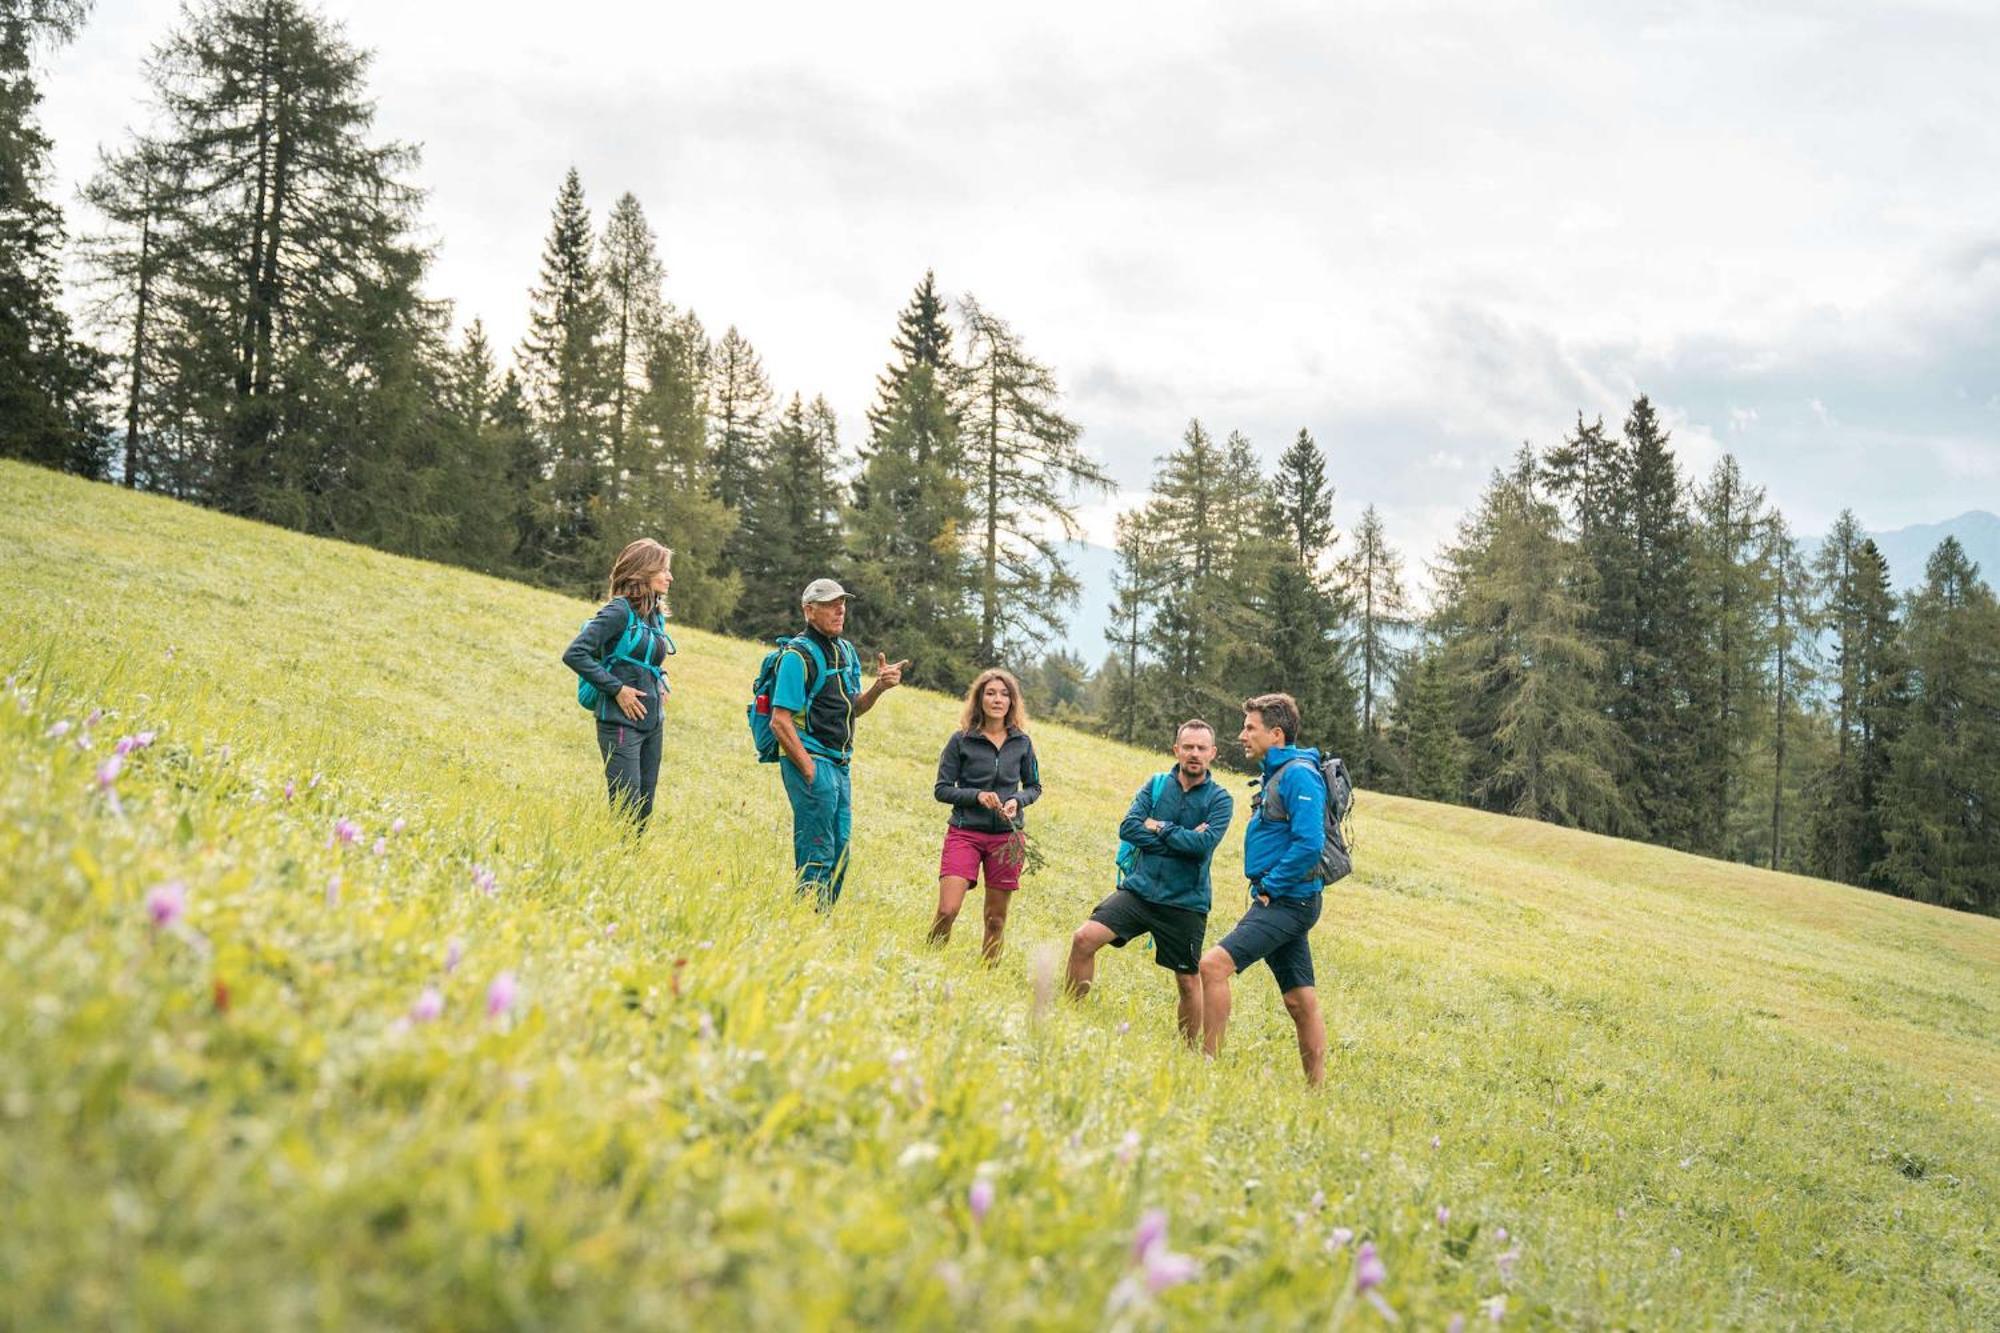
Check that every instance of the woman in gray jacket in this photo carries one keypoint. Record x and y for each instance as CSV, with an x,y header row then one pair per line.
x,y
620,656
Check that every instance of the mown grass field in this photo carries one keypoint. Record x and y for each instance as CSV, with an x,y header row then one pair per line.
x,y
1615,1086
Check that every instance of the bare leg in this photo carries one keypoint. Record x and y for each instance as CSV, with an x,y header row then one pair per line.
x,y
1302,1004
1217,967
997,902
1083,946
951,895
1189,1011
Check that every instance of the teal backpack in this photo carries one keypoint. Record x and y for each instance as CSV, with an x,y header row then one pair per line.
x,y
758,713
1128,855
629,643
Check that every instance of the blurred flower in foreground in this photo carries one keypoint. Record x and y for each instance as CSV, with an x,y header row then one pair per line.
x,y
500,995
429,1005
57,732
108,771
1152,1230
454,950
1159,1268
291,789
166,903
345,831
1495,1307
980,1199
1338,1237
398,826
381,846
1443,1215
1129,1149
485,881
1369,1274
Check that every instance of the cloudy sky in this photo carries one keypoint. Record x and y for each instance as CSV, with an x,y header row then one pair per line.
x,y
1425,232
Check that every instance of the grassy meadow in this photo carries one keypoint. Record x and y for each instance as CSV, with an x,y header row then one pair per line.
x,y
1574,1081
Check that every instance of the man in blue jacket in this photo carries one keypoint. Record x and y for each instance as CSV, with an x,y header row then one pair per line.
x,y
1176,822
1281,848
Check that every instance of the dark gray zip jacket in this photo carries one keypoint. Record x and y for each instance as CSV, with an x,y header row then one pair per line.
x,y
970,765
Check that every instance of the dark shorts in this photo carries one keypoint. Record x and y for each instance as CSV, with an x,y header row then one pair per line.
x,y
1176,931
969,853
1275,932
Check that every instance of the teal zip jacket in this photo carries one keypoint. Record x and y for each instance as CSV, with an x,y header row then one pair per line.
x,y
1280,855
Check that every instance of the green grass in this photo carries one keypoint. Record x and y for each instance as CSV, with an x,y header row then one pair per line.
x,y
1693,1094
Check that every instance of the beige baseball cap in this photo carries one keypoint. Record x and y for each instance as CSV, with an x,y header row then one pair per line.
x,y
822,590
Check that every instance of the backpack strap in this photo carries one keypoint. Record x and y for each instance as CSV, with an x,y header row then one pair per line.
x,y
1270,804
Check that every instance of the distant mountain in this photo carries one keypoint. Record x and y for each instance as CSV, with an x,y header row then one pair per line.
x,y
1908,549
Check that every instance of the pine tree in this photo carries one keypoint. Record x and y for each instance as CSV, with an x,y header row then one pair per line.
x,y
911,514
1026,470
1302,607
1665,693
671,492
1731,580
1940,810
50,381
479,450
568,373
739,416
1845,822
1133,588
791,522
125,260
1787,633
636,311
1426,729
1193,524
1539,746
1373,579
922,338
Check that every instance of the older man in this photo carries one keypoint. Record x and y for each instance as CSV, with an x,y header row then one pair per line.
x,y
814,700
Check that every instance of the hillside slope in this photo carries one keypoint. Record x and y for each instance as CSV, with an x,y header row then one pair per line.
x,y
1612,1085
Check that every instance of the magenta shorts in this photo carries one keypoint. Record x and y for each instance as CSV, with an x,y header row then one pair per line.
x,y
967,854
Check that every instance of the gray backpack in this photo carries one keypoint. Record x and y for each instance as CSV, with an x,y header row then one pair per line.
x,y
1335,860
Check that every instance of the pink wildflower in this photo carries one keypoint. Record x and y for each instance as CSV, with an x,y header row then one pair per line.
x,y
453,952
429,1005
290,789
57,732
381,846
1152,1231
166,903
398,826
1444,1215
1368,1270
500,995
1165,1269
980,1199
108,771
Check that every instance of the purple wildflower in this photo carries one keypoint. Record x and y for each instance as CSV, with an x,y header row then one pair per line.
x,y
1368,1270
166,902
1124,1028
108,771
381,846
1338,1237
1152,1234
1444,1215
1166,1269
485,881
290,789
1500,1234
1318,1200
398,826
1129,1149
1495,1307
125,746
429,1005
96,716
980,1199
344,832
1505,1263
500,995
57,732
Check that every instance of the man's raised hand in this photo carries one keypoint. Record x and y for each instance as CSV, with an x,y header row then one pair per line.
x,y
888,675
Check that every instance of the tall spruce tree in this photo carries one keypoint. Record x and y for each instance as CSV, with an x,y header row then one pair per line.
x,y
1425,730
569,376
1789,619
1201,510
911,515
1372,575
1127,711
635,312
1522,662
1303,607
1732,576
1026,472
1845,821
739,417
791,522
1665,694
50,381
1940,810
671,492
477,446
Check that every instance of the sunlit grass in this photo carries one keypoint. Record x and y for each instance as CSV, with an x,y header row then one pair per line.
x,y
1692,1094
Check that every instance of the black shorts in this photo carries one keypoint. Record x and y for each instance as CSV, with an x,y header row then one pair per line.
x,y
1176,931
1276,932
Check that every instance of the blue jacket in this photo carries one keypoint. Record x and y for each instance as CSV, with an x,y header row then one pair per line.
x,y
1173,863
1280,856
